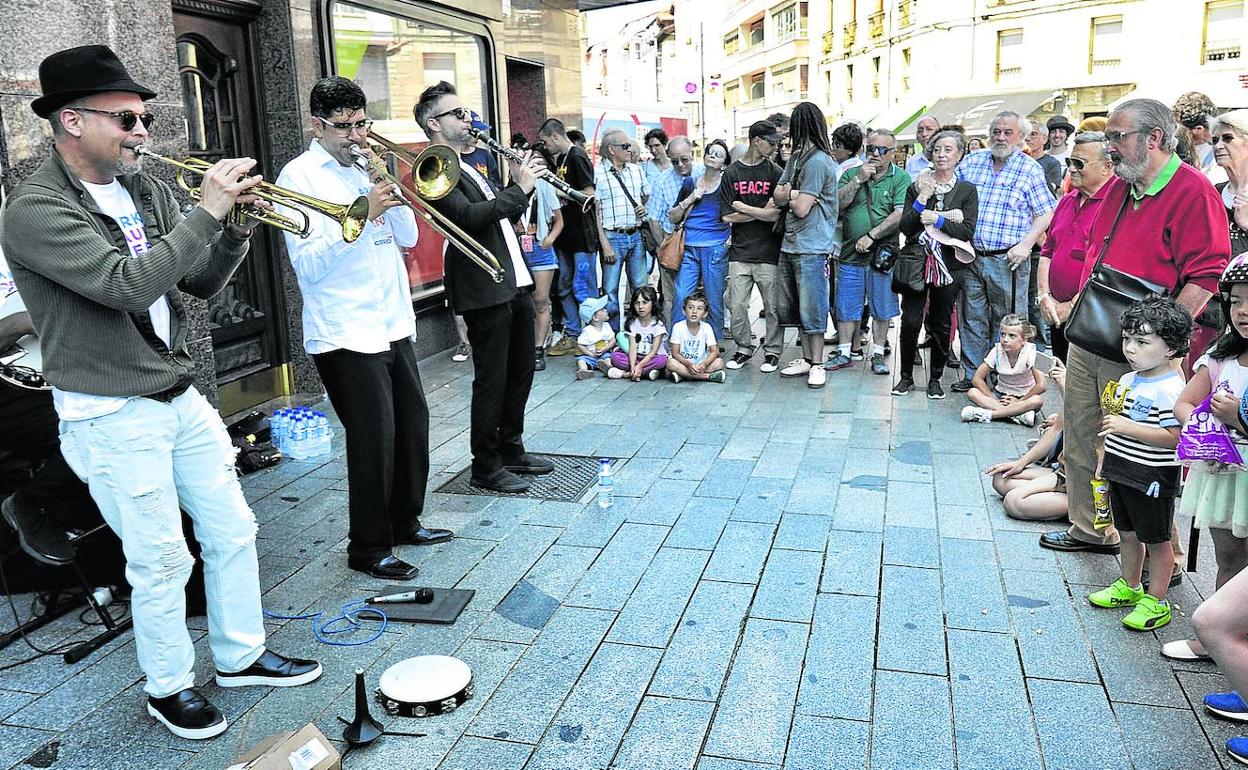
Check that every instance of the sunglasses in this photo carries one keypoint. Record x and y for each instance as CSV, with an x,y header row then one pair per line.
x,y
1075,164
126,118
623,145
459,113
1228,138
346,128
876,149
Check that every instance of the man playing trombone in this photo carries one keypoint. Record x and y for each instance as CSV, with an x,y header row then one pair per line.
x,y
100,251
499,314
358,326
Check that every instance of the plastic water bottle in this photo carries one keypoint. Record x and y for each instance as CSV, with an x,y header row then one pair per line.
x,y
277,428
299,439
327,435
606,484
320,435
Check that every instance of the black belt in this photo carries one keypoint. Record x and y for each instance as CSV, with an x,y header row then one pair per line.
x,y
993,253
624,230
170,394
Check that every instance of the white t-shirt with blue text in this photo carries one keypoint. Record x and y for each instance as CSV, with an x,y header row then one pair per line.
x,y
695,347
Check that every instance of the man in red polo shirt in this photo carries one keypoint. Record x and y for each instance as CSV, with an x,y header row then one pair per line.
x,y
1172,232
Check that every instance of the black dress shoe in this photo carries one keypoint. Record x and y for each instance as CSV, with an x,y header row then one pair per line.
x,y
385,568
37,534
424,536
272,670
501,480
529,464
1061,540
962,385
187,714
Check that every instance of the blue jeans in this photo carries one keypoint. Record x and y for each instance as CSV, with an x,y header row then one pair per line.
x,y
707,265
802,291
628,252
990,291
577,280
140,463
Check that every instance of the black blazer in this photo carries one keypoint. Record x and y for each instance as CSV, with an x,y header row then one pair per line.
x,y
467,285
963,197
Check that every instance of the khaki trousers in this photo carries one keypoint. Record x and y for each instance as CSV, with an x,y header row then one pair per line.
x,y
742,278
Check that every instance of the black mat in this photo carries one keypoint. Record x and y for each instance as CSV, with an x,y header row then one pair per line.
x,y
572,477
445,608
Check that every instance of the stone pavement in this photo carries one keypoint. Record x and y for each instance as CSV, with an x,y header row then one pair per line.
x,y
789,578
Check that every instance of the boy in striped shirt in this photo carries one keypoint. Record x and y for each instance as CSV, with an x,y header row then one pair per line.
x,y
1139,460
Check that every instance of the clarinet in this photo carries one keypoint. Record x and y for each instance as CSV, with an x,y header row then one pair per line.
x,y
562,187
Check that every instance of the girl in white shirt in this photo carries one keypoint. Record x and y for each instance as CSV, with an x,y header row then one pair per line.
x,y
643,345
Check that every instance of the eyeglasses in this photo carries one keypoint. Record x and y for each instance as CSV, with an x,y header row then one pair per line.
x,y
126,118
346,128
623,145
459,113
1118,136
876,149
1075,164
1228,138
683,161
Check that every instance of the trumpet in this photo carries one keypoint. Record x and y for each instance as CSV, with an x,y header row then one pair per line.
x,y
352,217
561,187
435,172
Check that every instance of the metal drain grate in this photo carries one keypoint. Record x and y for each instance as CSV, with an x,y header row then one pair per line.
x,y
572,477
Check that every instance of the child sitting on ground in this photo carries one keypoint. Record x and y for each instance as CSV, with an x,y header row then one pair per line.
x,y
643,347
1033,487
1019,389
1139,460
695,353
596,340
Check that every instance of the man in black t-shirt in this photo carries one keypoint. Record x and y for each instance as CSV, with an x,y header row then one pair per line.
x,y
745,203
577,245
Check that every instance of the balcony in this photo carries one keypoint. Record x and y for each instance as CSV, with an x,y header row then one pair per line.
x,y
905,13
827,43
876,25
849,35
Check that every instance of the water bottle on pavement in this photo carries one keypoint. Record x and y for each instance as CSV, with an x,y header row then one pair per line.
x,y
606,484
299,439
277,428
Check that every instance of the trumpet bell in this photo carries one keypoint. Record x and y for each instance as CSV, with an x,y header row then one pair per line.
x,y
354,219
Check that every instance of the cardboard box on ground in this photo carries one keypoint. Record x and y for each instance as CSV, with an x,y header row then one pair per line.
x,y
306,749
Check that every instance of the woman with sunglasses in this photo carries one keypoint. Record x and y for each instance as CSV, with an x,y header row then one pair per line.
x,y
1230,152
1061,257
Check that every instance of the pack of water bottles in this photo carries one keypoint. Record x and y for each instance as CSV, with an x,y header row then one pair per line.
x,y
302,433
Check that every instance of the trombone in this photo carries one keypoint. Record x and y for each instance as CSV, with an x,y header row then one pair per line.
x,y
352,217
435,172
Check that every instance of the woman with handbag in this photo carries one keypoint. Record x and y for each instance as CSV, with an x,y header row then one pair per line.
x,y
706,238
938,222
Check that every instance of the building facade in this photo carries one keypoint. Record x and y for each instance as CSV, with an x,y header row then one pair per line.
x,y
233,78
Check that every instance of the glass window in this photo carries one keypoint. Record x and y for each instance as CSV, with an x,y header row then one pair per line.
x,y
393,59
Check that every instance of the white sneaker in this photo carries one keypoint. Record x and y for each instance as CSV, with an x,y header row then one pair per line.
x,y
1026,418
816,377
976,414
796,368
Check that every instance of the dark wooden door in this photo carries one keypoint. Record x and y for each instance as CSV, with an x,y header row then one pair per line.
x,y
219,92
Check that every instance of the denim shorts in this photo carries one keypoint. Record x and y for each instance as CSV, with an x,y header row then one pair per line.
x,y
541,258
856,284
802,291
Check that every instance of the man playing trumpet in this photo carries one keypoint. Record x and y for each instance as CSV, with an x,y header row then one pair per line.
x,y
358,326
100,251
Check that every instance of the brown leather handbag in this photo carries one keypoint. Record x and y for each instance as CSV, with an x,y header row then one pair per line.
x,y
672,249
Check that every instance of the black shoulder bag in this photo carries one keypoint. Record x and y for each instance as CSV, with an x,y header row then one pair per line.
x,y
649,238
1095,321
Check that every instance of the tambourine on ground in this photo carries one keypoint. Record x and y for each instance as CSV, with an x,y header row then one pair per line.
x,y
424,686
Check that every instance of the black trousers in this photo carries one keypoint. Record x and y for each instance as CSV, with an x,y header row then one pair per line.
x,y
381,402
502,359
36,470
1058,343
938,301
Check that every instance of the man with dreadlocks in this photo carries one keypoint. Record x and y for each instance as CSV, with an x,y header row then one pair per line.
x,y
807,192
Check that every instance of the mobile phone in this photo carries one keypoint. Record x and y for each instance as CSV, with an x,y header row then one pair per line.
x,y
1044,361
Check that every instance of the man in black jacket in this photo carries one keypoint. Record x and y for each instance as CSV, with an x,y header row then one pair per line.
x,y
499,314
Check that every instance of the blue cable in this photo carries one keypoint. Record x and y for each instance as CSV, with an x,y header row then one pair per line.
x,y
349,613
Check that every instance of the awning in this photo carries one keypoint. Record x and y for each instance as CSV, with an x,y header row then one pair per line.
x,y
1228,90
975,112
900,115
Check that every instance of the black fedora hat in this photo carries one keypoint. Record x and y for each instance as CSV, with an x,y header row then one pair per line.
x,y
87,69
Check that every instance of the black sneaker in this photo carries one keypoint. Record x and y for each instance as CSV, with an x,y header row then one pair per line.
x,y
903,386
934,391
539,360
961,386
770,364
37,534
739,359
188,714
272,670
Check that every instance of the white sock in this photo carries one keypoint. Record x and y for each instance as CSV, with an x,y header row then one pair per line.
x,y
877,350
844,348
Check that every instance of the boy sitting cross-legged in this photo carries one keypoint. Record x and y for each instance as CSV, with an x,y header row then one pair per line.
x,y
694,351
596,340
1139,460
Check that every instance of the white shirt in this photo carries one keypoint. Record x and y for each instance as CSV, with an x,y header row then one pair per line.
x,y
115,201
916,164
1064,154
518,266
695,347
355,295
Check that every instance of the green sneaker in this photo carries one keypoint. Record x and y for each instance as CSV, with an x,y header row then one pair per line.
x,y
1150,613
1119,594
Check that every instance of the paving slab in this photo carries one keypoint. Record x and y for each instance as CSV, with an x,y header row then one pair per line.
x,y
912,632
650,615
973,595
906,706
1063,711
992,725
851,563
837,678
609,582
698,656
817,743
741,552
666,734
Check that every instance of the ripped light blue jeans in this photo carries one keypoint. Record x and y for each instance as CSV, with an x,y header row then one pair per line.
x,y
139,463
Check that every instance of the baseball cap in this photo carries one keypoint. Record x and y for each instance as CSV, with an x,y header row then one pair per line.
x,y
765,129
478,123
591,305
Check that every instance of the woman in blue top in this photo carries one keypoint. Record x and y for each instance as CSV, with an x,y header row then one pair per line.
x,y
706,237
